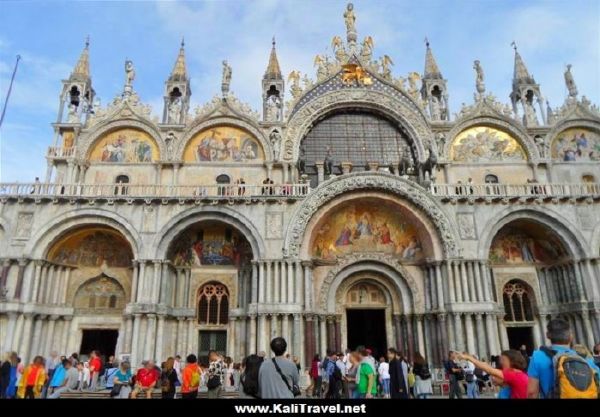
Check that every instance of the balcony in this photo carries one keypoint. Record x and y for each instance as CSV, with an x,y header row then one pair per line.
x,y
57,152
161,192
513,192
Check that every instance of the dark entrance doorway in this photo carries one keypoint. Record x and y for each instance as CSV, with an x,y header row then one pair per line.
x,y
211,340
366,327
102,340
518,336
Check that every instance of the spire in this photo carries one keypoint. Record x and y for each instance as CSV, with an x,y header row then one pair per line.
x,y
273,71
179,72
82,68
432,70
520,75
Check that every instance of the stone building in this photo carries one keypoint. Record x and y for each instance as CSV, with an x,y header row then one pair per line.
x,y
359,211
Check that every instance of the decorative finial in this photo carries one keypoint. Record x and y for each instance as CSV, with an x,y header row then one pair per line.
x,y
426,42
87,41
273,41
182,42
514,45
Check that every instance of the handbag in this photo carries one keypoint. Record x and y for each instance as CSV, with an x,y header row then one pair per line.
x,y
116,390
213,382
295,389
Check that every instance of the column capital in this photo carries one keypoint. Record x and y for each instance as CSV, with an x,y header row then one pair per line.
x,y
297,316
67,318
442,317
23,261
54,317
478,315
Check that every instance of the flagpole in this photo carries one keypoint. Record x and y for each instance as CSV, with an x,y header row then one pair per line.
x,y
9,90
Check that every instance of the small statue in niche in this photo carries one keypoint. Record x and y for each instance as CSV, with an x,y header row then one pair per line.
x,y
174,111
541,145
72,116
275,139
302,161
328,161
435,109
169,145
440,140
366,52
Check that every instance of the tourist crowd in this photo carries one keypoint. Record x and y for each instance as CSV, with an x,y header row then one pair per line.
x,y
561,370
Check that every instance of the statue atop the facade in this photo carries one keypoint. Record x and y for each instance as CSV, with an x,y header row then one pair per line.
x,y
480,78
302,161
226,78
405,163
174,111
550,113
440,141
273,109
275,139
350,20
129,73
386,62
529,116
294,78
337,45
541,145
413,79
321,64
328,162
72,116
436,111
169,144
570,82
366,53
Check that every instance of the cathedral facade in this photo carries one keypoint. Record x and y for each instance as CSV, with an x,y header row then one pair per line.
x,y
357,212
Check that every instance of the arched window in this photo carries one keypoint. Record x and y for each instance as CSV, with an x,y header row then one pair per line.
x,y
222,181
517,299
121,189
491,179
213,304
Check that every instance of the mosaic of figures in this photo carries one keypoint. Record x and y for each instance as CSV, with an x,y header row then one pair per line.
x,y
517,245
483,144
101,292
210,244
223,144
368,226
576,145
125,145
92,247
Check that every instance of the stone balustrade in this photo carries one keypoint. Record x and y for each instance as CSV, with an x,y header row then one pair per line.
x,y
60,152
516,191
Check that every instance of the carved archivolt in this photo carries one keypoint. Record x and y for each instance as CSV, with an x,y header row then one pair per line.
x,y
403,111
372,181
375,263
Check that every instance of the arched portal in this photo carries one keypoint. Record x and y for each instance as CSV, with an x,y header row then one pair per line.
x,y
212,267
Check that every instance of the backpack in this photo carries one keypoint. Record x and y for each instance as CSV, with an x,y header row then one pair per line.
x,y
195,379
424,373
573,376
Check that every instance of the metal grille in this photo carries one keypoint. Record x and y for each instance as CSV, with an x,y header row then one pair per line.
x,y
211,340
517,302
354,136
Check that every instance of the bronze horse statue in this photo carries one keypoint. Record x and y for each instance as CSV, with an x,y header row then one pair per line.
x,y
428,167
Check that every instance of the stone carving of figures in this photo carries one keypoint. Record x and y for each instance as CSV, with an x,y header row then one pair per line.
x,y
541,144
288,150
72,117
321,64
435,109
413,79
366,52
275,139
350,20
480,78
339,51
386,71
169,144
129,73
328,162
440,140
226,78
401,83
174,111
302,161
306,82
294,78
570,82
529,116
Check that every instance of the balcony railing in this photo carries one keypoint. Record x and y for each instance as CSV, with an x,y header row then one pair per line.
x,y
513,191
215,191
60,152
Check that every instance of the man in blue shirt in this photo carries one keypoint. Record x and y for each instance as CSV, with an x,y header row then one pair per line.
x,y
541,369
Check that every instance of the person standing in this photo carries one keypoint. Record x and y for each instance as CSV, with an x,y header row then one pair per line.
x,y
249,376
216,374
190,378
95,369
541,370
315,376
423,387
58,378
353,365
512,373
33,379
384,376
343,371
70,381
398,375
366,377
122,379
471,379
52,362
168,379
278,377
455,374
5,369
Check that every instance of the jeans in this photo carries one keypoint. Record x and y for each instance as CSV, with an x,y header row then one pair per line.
x,y
455,390
215,392
422,396
385,383
94,382
472,390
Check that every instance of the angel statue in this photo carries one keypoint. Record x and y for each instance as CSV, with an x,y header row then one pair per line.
x,y
294,78
385,63
226,80
129,72
350,19
321,64
570,81
413,79
480,78
367,50
337,45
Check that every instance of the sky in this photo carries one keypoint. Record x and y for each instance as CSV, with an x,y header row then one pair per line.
x,y
49,35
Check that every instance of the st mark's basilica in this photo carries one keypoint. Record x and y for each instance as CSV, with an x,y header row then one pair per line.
x,y
353,209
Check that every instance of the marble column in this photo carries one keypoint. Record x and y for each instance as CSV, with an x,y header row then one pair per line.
x,y
252,339
269,283
285,330
261,283
420,335
254,291
160,337
192,335
232,337
309,341
464,282
37,276
308,304
471,347
491,329
450,330
450,282
36,336
397,331
504,345
444,342
26,338
277,276
338,333
49,342
478,281
297,337
291,281
587,328
471,279
322,336
62,347
439,284
10,332
480,339
298,282
262,332
457,283
136,345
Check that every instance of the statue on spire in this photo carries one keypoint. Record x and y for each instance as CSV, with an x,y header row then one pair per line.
x,y
226,79
350,20
129,73
480,78
570,82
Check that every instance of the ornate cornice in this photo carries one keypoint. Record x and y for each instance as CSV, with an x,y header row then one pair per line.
x,y
388,183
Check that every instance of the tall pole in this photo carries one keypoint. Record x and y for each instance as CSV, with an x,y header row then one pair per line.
x,y
12,79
